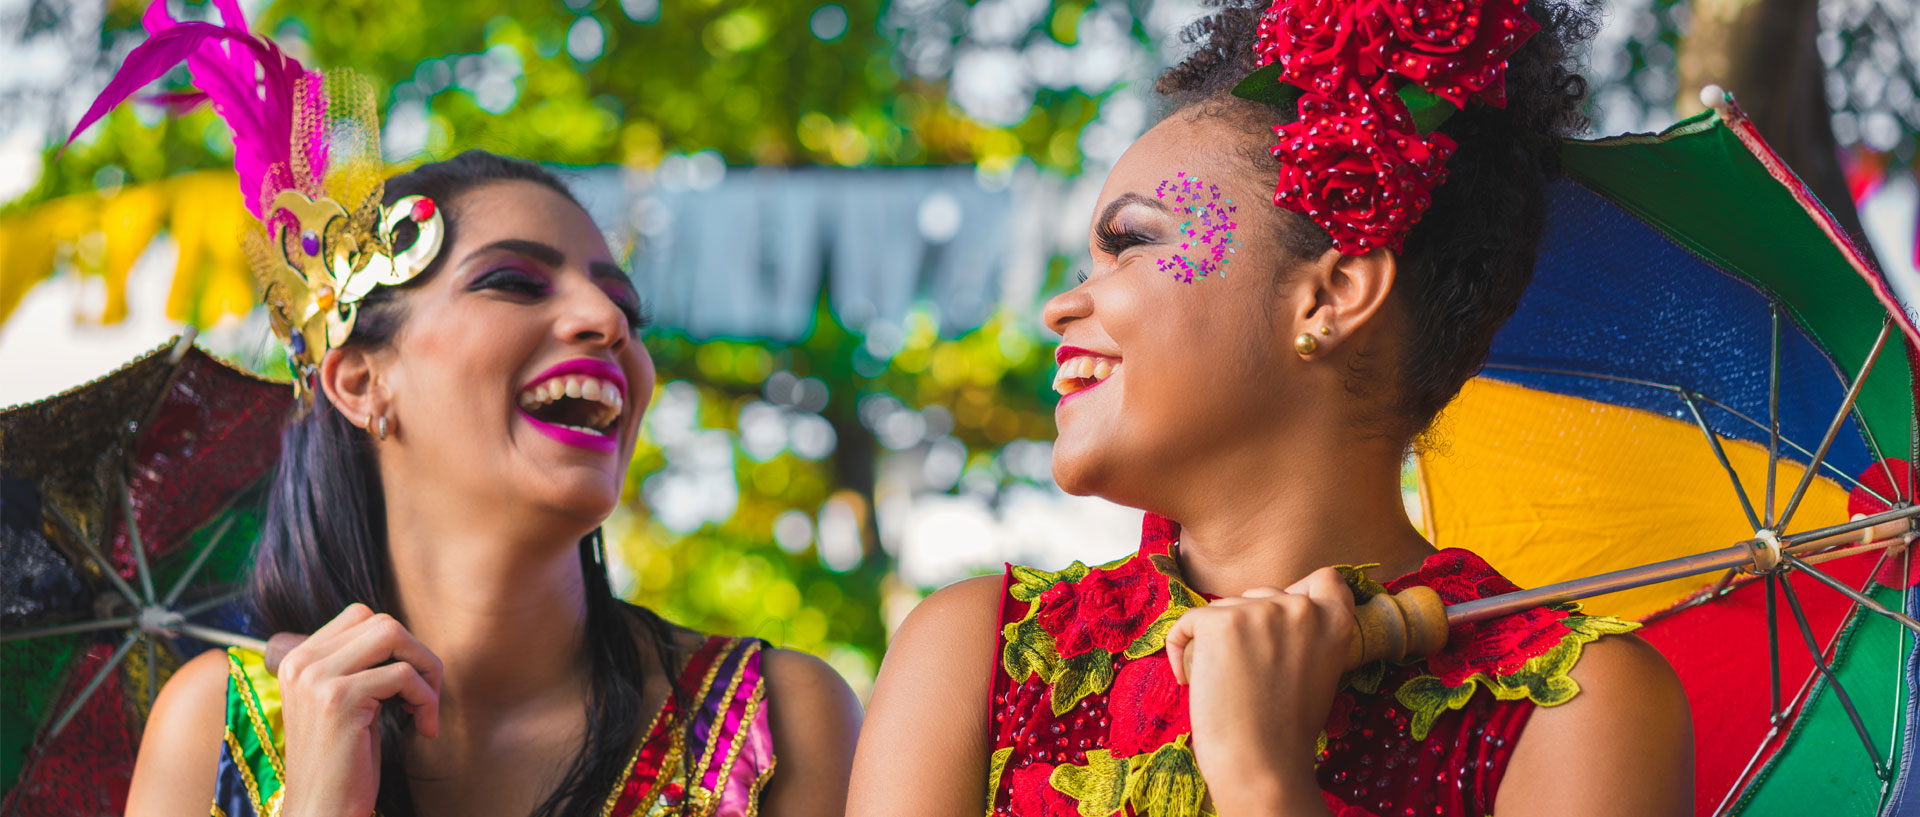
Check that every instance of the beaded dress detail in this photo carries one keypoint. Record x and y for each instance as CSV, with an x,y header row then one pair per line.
x,y
1087,719
714,766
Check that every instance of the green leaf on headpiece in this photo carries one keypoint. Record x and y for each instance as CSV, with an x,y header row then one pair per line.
x,y
1426,107
1265,86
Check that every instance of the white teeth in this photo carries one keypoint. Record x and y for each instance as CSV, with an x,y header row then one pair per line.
x,y
1081,372
594,389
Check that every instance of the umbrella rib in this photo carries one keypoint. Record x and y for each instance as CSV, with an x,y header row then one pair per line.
x,y
1858,597
199,559
1839,419
1833,645
1879,457
1834,469
69,629
1720,454
210,603
1788,441
153,670
1839,689
1773,408
93,552
134,542
1513,367
99,677
1774,713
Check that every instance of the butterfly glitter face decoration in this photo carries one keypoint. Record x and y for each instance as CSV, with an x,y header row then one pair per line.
x,y
1206,237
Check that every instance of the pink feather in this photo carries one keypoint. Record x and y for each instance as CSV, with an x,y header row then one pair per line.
x,y
249,80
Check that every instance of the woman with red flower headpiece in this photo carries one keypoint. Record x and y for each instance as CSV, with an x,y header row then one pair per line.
x,y
1257,374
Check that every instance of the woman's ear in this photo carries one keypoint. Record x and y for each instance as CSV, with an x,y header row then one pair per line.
x,y
1348,291
350,378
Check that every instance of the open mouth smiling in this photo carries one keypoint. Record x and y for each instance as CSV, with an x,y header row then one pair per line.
x,y
1081,369
578,402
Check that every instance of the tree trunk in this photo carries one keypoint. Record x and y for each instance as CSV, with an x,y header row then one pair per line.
x,y
1764,52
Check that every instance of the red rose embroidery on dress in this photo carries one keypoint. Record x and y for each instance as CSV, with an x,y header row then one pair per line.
x,y
1034,794
1106,610
1498,646
1340,808
1149,708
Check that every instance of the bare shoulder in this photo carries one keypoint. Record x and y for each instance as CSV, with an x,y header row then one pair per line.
x,y
815,720
963,617
925,747
180,749
1629,721
802,680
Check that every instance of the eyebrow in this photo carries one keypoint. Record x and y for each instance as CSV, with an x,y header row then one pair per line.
x,y
551,256
1128,199
543,253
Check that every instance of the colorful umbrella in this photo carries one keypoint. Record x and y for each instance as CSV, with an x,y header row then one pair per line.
x,y
97,611
1706,369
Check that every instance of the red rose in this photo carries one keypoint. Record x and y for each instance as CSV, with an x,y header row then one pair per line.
x,y
1457,48
1497,646
1148,708
1334,48
1031,794
1107,609
1340,715
1340,808
1362,181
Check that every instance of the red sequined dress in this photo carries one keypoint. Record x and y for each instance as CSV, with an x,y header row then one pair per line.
x,y
1087,719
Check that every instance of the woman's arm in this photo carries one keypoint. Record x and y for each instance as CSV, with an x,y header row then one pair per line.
x,y
1624,745
815,719
180,750
925,747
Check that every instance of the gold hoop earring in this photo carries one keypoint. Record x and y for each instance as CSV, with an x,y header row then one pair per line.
x,y
1305,344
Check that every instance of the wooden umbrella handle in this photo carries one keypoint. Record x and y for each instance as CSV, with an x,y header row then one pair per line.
x,y
1395,626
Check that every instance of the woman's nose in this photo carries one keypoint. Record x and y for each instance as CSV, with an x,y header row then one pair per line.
x,y
1065,308
591,316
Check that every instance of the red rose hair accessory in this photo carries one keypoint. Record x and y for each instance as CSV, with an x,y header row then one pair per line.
x,y
1371,79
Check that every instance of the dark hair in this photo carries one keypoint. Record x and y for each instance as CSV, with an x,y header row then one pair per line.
x,y
1466,263
324,543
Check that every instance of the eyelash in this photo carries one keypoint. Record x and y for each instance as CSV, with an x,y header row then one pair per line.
x,y
523,285
1113,240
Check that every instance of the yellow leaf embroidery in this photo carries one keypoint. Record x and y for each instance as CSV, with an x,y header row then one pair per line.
x,y
1088,673
1028,650
994,769
1167,783
1100,787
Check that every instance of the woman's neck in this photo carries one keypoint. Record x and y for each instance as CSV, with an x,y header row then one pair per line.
x,y
1268,515
506,617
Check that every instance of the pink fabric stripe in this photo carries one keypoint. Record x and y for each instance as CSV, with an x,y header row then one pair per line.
x,y
730,725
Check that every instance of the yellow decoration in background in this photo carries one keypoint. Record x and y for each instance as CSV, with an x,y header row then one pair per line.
x,y
103,235
1548,488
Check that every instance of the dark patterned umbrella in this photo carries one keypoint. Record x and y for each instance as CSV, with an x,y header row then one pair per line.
x,y
96,612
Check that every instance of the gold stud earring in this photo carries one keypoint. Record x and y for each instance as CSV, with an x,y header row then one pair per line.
x,y
1305,344
1326,330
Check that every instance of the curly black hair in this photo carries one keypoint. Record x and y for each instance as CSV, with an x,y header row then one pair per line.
x,y
1466,263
